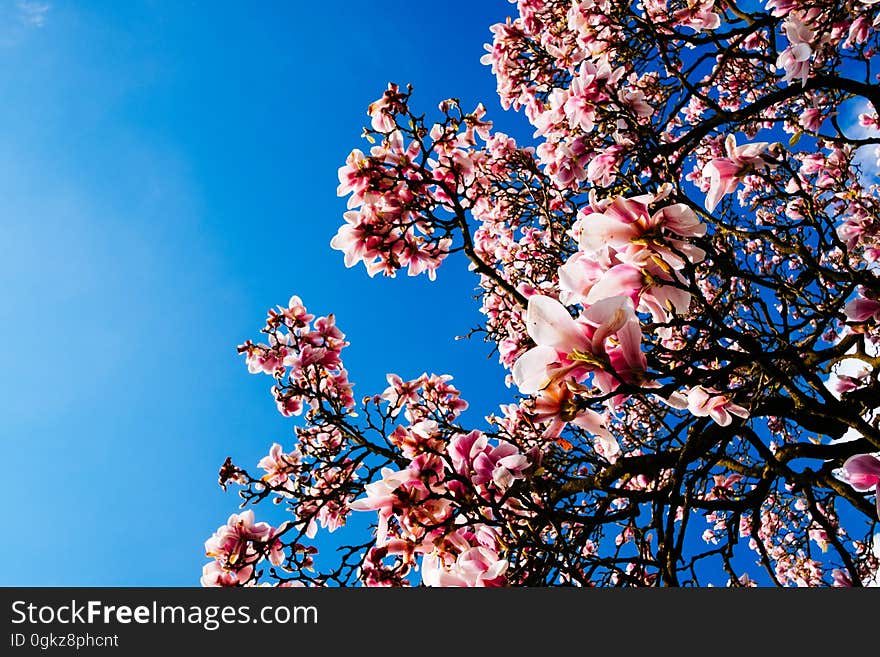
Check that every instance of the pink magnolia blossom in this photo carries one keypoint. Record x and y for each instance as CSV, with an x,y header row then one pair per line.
x,y
502,465
475,567
214,574
781,7
723,487
841,383
699,15
587,91
627,226
464,449
356,239
400,392
232,540
236,547
279,466
422,436
858,31
474,458
725,173
634,99
556,404
354,177
276,554
380,497
266,359
862,309
295,315
862,472
869,120
620,280
578,276
602,168
382,111
565,162
650,288
795,59
811,119
704,402
569,348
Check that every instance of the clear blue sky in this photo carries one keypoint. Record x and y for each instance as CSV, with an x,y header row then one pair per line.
x,y
167,173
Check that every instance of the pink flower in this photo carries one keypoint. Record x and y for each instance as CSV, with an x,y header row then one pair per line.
x,y
648,287
474,124
266,359
871,120
862,472
464,448
602,168
501,465
474,458
214,574
858,31
354,177
840,578
578,276
556,404
707,401
699,15
795,59
725,173
723,487
621,280
233,539
295,315
382,111
380,497
568,348
355,240
421,437
236,547
626,225
399,393
810,119
634,99
276,554
723,177
278,465
475,567
781,7
862,309
587,91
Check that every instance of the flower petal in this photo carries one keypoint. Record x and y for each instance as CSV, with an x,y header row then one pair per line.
x,y
862,471
530,369
549,324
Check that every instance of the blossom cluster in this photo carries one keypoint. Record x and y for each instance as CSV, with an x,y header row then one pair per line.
x,y
677,270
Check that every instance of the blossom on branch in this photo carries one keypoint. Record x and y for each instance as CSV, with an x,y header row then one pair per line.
x,y
684,384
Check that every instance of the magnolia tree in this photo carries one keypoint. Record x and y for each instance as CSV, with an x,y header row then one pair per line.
x,y
677,273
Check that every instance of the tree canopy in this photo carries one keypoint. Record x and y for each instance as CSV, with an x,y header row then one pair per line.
x,y
677,271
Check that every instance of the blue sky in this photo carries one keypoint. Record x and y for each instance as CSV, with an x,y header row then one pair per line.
x,y
167,173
